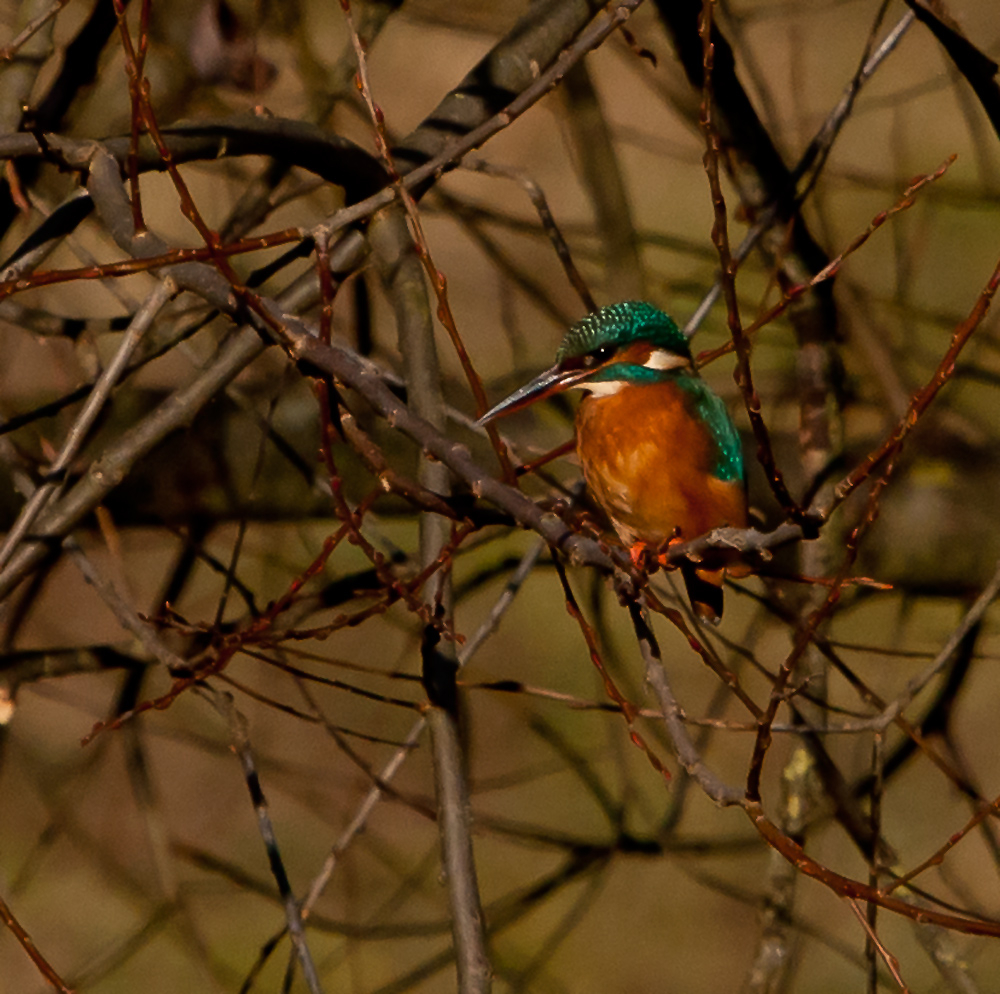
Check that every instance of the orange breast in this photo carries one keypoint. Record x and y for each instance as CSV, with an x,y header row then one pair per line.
x,y
648,462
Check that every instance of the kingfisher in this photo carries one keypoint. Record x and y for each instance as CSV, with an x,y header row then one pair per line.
x,y
659,452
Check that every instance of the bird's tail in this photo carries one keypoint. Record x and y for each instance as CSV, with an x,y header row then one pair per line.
x,y
704,589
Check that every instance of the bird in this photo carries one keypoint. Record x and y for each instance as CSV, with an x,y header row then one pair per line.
x,y
659,451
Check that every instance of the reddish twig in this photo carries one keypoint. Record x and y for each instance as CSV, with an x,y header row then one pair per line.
x,y
922,399
129,267
390,479
807,635
791,294
720,238
629,710
352,521
438,280
44,967
134,64
890,961
847,887
727,676
223,653
557,453
937,857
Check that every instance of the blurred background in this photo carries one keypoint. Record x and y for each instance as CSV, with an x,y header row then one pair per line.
x,y
134,862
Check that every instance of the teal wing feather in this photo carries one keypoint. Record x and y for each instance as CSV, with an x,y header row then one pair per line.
x,y
711,412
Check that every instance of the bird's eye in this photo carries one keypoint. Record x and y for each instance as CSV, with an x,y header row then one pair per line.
x,y
601,354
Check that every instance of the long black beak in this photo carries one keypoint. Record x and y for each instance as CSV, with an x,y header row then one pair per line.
x,y
544,385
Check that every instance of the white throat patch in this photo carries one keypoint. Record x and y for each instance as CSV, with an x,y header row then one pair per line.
x,y
603,388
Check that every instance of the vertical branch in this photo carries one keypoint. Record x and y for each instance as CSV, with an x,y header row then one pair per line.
x,y
805,638
223,703
874,857
811,162
438,281
458,859
401,270
134,68
815,361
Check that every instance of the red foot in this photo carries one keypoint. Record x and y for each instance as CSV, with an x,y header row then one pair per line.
x,y
638,554
648,558
664,549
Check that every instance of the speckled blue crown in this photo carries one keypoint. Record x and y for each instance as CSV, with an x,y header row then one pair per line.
x,y
622,324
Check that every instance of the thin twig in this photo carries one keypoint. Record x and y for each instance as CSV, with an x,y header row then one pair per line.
x,y
722,793
392,766
78,433
820,145
890,961
24,940
540,202
922,399
913,687
223,703
9,51
720,238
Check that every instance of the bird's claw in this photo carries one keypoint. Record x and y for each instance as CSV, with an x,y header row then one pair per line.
x,y
649,559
